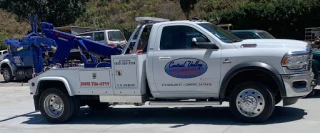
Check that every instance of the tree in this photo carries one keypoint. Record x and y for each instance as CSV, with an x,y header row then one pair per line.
x,y
58,12
187,6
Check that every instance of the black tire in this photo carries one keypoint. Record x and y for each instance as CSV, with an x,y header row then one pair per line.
x,y
97,106
9,77
263,112
70,105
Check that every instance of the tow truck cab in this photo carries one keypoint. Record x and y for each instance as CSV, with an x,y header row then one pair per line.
x,y
170,62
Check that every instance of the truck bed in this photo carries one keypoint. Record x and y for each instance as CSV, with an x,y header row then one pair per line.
x,y
126,77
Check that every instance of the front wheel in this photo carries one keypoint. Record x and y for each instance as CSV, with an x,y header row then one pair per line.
x,y
252,102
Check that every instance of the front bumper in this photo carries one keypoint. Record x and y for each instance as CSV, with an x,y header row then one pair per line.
x,y
297,85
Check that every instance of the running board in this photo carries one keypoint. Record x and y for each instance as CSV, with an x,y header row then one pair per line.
x,y
179,103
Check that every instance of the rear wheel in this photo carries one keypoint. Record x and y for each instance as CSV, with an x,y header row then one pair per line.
x,y
252,102
57,106
7,74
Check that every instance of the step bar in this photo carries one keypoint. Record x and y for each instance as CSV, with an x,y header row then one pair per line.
x,y
188,103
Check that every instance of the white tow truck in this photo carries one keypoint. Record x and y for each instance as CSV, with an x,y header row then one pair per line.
x,y
172,63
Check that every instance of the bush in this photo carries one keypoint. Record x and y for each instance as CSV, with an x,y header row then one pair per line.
x,y
282,18
3,37
10,28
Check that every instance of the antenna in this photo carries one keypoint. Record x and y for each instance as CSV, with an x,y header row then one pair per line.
x,y
35,23
31,22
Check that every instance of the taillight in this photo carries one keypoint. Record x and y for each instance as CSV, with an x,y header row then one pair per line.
x,y
111,44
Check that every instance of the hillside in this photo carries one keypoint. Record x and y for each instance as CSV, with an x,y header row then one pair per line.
x,y
10,28
121,13
282,18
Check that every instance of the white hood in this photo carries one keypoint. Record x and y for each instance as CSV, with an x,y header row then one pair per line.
x,y
274,43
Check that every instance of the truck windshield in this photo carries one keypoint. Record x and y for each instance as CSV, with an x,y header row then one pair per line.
x,y
115,36
222,34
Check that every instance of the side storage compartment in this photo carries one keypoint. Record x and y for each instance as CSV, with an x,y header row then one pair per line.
x,y
95,81
128,72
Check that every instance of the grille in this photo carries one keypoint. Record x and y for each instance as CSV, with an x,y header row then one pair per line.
x,y
310,60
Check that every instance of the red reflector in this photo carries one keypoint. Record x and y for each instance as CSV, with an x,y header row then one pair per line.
x,y
32,84
111,44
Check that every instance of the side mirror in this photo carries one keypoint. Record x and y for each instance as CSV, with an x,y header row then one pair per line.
x,y
202,43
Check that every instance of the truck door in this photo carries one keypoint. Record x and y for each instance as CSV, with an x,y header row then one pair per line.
x,y
180,68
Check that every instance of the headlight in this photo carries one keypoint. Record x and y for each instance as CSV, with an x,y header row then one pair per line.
x,y
294,62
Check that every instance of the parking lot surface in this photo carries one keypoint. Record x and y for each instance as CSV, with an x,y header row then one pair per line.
x,y
17,116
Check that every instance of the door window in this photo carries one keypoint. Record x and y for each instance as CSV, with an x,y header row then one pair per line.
x,y
180,37
99,36
4,52
116,36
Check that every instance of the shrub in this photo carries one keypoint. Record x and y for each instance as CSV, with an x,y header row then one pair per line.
x,y
282,18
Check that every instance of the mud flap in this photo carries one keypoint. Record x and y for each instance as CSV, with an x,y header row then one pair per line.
x,y
290,100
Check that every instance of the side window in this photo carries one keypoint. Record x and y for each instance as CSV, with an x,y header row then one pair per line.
x,y
4,52
180,37
98,36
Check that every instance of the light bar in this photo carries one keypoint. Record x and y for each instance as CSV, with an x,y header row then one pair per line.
x,y
150,19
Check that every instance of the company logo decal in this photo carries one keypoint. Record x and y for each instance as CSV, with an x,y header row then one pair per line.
x,y
186,68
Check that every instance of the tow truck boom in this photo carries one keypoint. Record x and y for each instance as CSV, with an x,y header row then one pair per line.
x,y
67,41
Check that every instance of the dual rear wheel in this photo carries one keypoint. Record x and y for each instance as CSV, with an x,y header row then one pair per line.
x,y
57,106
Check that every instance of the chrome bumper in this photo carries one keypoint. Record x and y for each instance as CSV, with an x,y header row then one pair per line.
x,y
297,85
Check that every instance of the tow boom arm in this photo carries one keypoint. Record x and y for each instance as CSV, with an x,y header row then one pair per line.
x,y
66,42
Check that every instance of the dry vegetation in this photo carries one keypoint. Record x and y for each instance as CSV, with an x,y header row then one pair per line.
x,y
121,14
10,28
282,18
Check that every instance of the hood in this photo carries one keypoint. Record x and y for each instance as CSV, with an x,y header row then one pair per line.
x,y
274,43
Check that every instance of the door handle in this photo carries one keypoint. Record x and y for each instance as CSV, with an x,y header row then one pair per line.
x,y
164,58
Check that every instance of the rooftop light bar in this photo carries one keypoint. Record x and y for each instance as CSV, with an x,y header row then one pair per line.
x,y
150,19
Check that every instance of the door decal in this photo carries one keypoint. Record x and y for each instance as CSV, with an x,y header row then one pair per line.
x,y
186,68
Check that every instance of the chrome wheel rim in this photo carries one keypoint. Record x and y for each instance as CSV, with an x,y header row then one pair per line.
x,y
6,75
250,102
53,106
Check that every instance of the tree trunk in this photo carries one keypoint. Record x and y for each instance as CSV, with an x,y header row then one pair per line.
x,y
187,14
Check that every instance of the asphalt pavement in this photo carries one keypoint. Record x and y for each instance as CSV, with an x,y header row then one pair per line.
x,y
17,116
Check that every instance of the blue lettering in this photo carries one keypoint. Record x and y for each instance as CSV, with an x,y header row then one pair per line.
x,y
189,64
172,65
196,64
